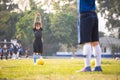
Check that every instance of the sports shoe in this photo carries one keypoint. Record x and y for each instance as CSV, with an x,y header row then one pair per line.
x,y
86,69
97,68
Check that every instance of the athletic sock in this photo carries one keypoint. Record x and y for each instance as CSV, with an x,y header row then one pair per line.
x,y
87,54
39,56
34,57
97,54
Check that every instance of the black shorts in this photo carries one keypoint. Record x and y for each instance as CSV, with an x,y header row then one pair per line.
x,y
37,46
88,27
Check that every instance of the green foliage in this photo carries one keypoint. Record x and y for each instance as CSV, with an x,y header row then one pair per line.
x,y
7,25
64,28
110,9
7,5
24,28
101,34
3,25
7,19
60,27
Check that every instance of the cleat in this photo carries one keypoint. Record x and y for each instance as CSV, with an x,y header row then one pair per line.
x,y
86,69
97,68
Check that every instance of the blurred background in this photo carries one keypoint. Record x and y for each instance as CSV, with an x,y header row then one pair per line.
x,y
59,19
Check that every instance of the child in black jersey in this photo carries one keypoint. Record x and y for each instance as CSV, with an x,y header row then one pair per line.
x,y
37,45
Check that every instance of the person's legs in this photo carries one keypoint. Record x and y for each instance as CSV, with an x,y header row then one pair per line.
x,y
85,32
17,55
34,57
97,54
1,56
39,55
6,55
87,54
35,48
88,32
87,57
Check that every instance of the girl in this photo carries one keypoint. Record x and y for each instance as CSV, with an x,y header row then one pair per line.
x,y
37,45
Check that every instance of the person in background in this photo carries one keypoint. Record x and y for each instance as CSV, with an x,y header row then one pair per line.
x,y
37,45
11,50
1,52
27,51
5,52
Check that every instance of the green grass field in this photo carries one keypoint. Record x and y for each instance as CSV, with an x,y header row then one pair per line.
x,y
57,69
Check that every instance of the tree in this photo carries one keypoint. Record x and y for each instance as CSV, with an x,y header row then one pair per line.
x,y
110,9
7,19
64,28
24,28
58,27
3,26
7,5
101,34
25,25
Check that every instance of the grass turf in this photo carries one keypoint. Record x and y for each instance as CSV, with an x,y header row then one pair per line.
x,y
57,69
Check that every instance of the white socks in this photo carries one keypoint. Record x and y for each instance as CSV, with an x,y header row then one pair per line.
x,y
87,54
97,54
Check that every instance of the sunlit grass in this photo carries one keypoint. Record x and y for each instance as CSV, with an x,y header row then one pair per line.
x,y
57,69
